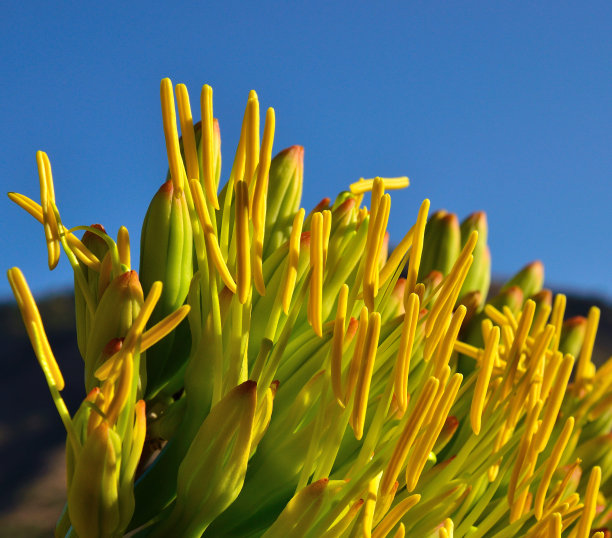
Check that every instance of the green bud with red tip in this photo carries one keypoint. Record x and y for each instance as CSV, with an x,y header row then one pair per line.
x,y
284,196
441,245
118,308
166,255
530,279
479,274
572,335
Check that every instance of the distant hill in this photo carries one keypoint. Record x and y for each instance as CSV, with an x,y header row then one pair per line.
x,y
32,436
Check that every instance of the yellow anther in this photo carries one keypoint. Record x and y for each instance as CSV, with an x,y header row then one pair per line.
x,y
338,344
394,515
47,204
123,246
259,200
467,349
171,135
243,242
409,434
417,247
123,386
189,143
163,328
484,377
315,295
556,318
590,504
362,390
389,183
362,329
252,137
139,324
327,222
212,244
375,238
34,326
551,465
587,346
402,363
208,154
294,256
446,349
396,257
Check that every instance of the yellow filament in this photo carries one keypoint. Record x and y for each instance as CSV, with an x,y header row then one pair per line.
x,y
396,257
208,154
520,338
394,515
171,135
252,137
495,315
590,504
510,317
556,318
587,346
47,202
362,390
123,246
357,352
402,364
401,531
484,377
417,247
446,349
121,389
259,200
189,143
418,458
409,433
551,464
243,262
315,296
338,344
468,349
327,221
34,326
212,244
163,328
365,185
294,257
139,324
378,190
553,404
376,233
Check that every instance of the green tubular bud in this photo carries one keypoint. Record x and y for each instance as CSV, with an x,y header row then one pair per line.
x,y
99,248
530,279
479,275
166,255
212,473
473,302
284,196
118,307
441,244
542,300
572,335
512,297
93,497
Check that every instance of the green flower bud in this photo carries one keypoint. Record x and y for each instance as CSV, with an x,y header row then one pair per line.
x,y
479,275
166,255
284,196
530,279
442,244
572,335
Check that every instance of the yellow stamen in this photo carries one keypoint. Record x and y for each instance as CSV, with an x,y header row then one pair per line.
x,y
338,344
446,349
554,403
212,244
590,504
556,318
208,154
123,246
252,137
467,349
189,143
402,363
163,328
390,183
396,257
47,201
498,317
327,221
409,433
551,464
484,377
401,531
259,200
394,515
418,458
417,247
294,256
510,317
362,390
376,233
171,135
315,296
34,326
587,346
243,241
362,328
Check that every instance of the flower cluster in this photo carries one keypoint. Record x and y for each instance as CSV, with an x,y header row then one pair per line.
x,y
273,373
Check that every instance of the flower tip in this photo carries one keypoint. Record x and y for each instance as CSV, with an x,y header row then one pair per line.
x,y
575,322
112,347
294,153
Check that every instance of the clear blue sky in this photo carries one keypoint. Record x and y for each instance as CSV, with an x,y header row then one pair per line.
x,y
499,106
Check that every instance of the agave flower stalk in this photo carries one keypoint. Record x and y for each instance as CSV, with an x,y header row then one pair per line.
x,y
320,386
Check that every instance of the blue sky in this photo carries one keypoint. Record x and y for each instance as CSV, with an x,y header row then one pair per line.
x,y
497,106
